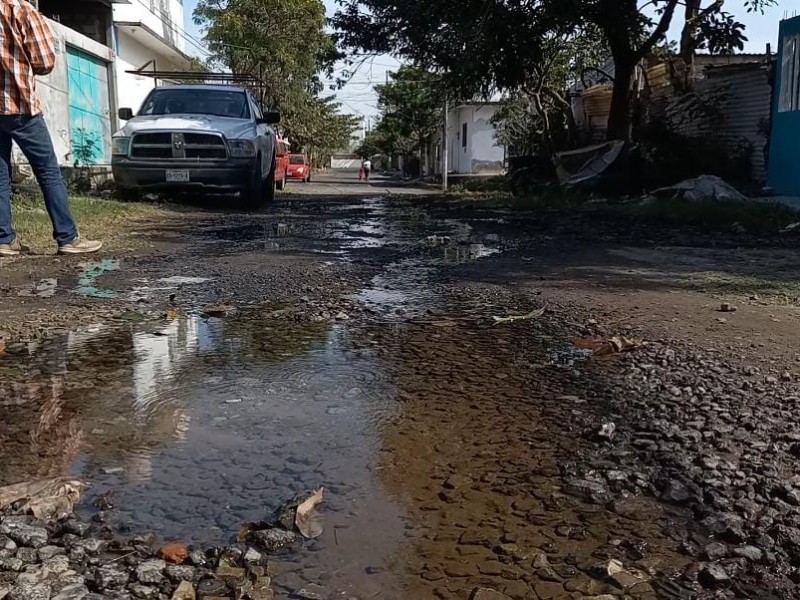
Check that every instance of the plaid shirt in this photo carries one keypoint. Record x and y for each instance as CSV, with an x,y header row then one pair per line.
x,y
27,49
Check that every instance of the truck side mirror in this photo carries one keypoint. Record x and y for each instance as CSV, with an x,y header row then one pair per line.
x,y
125,114
270,118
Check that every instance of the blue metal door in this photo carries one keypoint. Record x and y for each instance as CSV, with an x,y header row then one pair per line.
x,y
784,153
90,127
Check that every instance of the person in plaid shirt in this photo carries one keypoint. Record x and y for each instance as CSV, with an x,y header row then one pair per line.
x,y
27,49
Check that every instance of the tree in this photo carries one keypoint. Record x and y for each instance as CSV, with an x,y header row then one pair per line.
x,y
481,45
411,107
284,45
282,42
317,127
536,117
713,29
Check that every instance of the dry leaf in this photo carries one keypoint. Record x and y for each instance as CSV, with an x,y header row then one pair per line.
x,y
174,552
307,519
535,314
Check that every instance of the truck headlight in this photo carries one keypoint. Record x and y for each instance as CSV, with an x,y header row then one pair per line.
x,y
120,146
242,148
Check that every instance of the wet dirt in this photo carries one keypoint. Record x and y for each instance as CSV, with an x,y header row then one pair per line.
x,y
451,452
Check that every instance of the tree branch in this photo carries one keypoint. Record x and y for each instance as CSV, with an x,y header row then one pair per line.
x,y
660,30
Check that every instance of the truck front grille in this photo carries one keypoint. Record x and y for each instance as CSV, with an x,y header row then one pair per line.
x,y
178,146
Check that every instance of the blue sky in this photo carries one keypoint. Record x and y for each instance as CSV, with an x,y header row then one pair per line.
x,y
359,98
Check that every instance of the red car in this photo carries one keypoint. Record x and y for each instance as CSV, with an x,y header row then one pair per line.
x,y
281,164
299,168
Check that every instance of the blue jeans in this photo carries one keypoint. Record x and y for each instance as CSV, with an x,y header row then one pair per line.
x,y
31,135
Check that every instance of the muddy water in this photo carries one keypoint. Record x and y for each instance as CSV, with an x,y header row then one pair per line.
x,y
443,449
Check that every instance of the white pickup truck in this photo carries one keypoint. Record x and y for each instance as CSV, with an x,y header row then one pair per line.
x,y
197,138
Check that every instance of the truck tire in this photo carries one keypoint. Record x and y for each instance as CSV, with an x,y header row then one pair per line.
x,y
253,196
268,187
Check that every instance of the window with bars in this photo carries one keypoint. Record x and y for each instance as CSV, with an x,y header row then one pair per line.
x,y
789,99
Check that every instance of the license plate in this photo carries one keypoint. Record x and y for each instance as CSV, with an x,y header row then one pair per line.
x,y
181,176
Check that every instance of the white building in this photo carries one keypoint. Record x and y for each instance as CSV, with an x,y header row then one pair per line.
x,y
149,36
472,144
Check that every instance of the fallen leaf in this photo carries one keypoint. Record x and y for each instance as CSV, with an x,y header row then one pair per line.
x,y
535,314
174,552
307,519
614,345
623,344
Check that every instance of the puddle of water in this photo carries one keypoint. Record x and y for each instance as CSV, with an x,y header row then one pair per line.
x,y
442,450
91,272
199,426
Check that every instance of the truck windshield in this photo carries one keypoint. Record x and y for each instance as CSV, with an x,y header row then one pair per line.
x,y
220,103
297,160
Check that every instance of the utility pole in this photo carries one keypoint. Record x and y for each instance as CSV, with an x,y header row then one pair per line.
x,y
445,159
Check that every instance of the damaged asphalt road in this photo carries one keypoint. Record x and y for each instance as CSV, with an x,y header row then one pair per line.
x,y
366,348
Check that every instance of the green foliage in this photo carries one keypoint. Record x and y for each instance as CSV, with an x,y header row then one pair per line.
x,y
316,126
481,46
536,117
411,105
285,45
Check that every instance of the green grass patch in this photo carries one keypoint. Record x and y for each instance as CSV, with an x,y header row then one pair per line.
x,y
97,218
781,291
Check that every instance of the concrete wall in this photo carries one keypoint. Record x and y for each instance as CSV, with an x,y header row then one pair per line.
x,y
132,55
481,154
784,168
54,91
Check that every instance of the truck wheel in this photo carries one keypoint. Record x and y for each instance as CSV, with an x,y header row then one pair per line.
x,y
253,197
268,188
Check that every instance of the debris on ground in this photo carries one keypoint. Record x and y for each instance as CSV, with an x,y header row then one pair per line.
x,y
703,189
535,314
300,512
45,499
613,345
307,519
727,307
589,166
174,552
218,310
791,227
607,431
45,288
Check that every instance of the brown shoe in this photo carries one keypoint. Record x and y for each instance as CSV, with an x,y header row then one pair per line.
x,y
80,246
12,249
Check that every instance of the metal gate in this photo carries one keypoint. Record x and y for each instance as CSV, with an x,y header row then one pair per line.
x,y
89,123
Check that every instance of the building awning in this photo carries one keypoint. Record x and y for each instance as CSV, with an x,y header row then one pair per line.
x,y
152,40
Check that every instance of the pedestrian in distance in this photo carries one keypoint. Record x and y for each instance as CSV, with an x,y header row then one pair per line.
x,y
367,166
361,171
27,49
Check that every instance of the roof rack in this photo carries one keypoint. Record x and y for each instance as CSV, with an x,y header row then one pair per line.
x,y
223,78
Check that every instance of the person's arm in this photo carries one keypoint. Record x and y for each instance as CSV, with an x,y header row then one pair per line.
x,y
39,43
